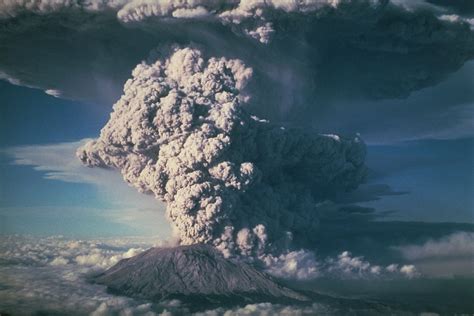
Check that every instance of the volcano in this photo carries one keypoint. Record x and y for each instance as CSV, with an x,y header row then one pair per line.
x,y
195,274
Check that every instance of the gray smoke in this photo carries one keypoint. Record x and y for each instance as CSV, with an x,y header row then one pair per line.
x,y
181,132
315,52
327,64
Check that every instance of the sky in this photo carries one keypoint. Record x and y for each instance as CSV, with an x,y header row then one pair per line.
x,y
32,202
396,74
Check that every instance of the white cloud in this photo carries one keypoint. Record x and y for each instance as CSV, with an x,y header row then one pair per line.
x,y
97,259
270,309
454,18
44,274
298,265
59,251
197,12
53,92
8,78
409,270
304,265
459,244
449,256
348,266
58,162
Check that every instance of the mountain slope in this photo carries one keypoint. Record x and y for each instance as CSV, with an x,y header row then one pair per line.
x,y
195,274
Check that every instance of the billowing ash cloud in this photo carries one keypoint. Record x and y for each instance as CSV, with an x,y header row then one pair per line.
x,y
181,132
310,58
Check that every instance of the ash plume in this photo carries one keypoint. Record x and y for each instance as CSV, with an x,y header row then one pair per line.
x,y
328,64
181,132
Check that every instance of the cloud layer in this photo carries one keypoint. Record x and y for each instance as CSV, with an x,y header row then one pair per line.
x,y
50,275
305,266
457,245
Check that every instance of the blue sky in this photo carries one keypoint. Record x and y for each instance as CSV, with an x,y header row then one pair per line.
x,y
435,174
69,205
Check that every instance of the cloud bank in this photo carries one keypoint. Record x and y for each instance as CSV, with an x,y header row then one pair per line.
x,y
450,256
181,132
49,275
456,245
304,265
60,251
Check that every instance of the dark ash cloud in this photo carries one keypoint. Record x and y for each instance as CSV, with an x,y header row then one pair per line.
x,y
312,62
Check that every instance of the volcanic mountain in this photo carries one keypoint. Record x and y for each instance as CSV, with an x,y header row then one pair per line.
x,y
196,274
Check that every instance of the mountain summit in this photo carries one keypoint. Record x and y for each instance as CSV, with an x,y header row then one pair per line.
x,y
195,273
